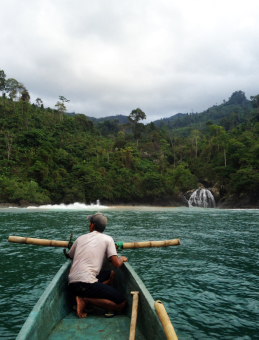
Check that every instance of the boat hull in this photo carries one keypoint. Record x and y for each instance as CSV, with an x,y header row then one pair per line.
x,y
53,316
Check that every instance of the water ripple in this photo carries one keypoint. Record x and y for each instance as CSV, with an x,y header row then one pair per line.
x,y
209,285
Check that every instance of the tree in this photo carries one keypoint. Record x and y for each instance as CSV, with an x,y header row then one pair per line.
x,y
9,137
12,87
25,96
21,89
183,177
134,117
208,124
2,81
245,181
195,135
238,97
39,102
223,142
255,102
63,99
61,108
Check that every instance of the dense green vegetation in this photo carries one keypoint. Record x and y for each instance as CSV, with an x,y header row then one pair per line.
x,y
48,156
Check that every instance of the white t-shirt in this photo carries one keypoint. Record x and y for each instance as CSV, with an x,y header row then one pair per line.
x,y
88,253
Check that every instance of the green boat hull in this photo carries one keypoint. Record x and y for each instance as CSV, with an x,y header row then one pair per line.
x,y
53,316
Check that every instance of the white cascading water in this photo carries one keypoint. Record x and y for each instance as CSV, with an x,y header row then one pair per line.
x,y
72,206
202,198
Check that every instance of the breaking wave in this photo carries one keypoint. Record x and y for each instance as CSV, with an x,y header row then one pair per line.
x,y
73,206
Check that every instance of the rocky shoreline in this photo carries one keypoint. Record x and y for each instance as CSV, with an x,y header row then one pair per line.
x,y
22,204
235,202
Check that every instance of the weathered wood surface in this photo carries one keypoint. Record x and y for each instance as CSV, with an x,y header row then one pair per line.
x,y
151,244
134,315
165,321
38,241
64,244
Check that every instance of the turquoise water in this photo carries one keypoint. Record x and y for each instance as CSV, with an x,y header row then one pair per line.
x,y
209,284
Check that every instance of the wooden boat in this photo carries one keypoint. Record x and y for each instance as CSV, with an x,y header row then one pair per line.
x,y
53,316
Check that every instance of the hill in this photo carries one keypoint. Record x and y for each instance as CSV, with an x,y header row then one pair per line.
x,y
229,114
119,118
48,156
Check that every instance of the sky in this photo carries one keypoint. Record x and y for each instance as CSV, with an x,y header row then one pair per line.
x,y
109,57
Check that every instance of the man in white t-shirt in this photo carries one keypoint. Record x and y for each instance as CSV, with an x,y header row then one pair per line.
x,y
86,280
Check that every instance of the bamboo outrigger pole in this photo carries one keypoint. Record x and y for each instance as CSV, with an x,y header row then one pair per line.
x,y
38,241
68,244
165,321
150,244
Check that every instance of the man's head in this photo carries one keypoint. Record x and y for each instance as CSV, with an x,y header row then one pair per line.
x,y
99,221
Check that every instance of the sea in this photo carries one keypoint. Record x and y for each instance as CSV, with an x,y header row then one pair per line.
x,y
209,284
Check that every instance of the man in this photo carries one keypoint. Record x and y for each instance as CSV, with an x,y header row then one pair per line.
x,y
86,281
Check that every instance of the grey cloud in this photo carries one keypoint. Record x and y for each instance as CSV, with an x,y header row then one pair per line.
x,y
111,57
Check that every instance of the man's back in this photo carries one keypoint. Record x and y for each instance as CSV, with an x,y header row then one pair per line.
x,y
88,253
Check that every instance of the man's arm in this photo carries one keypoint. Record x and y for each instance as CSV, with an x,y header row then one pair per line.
x,y
72,250
118,261
66,254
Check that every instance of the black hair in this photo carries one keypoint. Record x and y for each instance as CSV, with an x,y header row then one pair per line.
x,y
98,228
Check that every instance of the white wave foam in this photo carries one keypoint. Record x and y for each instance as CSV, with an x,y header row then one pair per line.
x,y
74,206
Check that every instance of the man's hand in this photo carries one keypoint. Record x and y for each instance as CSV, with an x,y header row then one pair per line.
x,y
124,258
118,261
65,253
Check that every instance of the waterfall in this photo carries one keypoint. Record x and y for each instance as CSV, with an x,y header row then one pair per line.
x,y
202,198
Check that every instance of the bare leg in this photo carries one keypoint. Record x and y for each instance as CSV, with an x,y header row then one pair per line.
x,y
107,304
81,303
110,280
103,303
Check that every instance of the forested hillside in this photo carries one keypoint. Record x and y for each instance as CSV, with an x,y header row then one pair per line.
x,y
49,157
236,110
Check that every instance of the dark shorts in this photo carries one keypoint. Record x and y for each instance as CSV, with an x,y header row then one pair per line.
x,y
97,290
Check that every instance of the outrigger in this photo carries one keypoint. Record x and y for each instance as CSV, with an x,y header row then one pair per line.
x,y
54,318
